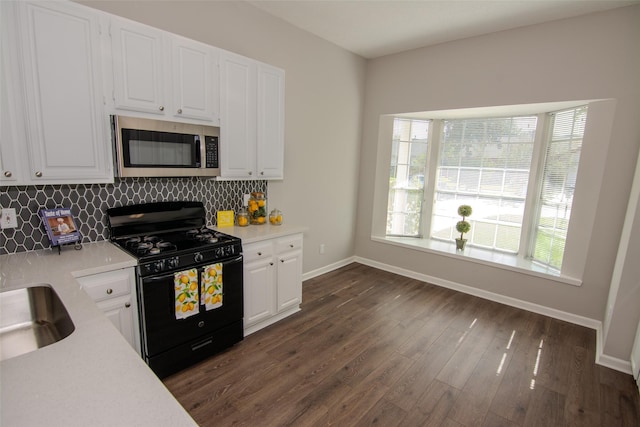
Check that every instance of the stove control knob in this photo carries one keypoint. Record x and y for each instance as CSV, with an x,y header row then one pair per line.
x,y
173,262
198,257
158,266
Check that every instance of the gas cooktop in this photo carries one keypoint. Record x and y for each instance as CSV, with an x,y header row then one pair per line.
x,y
168,243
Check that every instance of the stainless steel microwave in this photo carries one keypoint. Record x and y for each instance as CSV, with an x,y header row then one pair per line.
x,y
158,148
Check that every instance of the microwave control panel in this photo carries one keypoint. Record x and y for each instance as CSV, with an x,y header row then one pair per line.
x,y
211,152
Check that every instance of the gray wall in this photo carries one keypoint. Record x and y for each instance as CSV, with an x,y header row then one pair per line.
x,y
324,95
591,57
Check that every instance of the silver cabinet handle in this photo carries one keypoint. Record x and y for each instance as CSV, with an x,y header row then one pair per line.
x,y
259,253
127,304
179,110
290,246
109,291
270,263
262,173
161,108
250,173
7,174
39,174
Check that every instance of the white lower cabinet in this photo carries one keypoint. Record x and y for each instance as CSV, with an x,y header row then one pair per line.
x,y
272,281
114,292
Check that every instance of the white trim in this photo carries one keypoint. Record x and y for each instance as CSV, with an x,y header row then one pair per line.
x,y
601,359
514,302
270,321
610,361
479,256
328,268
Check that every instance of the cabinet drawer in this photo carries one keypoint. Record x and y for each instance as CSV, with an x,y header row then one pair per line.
x,y
106,285
289,243
256,251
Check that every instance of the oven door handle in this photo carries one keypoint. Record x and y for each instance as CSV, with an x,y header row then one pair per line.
x,y
151,279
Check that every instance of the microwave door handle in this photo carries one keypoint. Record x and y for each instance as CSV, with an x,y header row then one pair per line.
x,y
198,152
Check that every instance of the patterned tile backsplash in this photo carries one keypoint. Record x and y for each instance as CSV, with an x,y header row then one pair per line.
x,y
89,203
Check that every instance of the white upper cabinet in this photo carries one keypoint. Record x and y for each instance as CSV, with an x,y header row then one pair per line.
x,y
270,143
10,169
138,67
252,118
162,74
196,80
237,116
60,132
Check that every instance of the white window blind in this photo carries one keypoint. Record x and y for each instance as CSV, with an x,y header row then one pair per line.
x,y
484,163
406,178
558,183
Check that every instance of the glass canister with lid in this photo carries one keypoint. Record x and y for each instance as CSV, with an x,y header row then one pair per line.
x,y
275,217
243,218
257,208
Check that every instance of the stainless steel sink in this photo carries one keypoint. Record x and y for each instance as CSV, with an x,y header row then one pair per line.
x,y
31,318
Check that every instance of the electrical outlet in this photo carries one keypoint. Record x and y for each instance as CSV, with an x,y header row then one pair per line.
x,y
321,248
9,218
245,199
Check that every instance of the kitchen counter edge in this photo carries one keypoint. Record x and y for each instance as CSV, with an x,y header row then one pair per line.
x,y
257,233
92,377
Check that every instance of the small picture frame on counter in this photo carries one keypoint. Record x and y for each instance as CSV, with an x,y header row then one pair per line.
x,y
61,228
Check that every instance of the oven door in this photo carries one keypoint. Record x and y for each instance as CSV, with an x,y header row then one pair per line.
x,y
166,325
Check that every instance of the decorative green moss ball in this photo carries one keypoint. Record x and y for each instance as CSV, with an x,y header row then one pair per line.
x,y
464,210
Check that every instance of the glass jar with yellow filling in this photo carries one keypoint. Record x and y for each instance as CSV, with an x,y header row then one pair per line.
x,y
243,218
257,208
275,217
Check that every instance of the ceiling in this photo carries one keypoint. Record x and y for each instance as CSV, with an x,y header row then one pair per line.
x,y
374,28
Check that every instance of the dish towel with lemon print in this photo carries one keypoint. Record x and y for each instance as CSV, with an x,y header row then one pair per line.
x,y
211,286
186,289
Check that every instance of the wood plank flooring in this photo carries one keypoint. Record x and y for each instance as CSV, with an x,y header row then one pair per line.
x,y
373,348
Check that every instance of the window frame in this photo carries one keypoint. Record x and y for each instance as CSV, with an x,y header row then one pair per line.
x,y
596,143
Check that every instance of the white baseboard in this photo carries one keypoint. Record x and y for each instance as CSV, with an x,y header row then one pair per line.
x,y
327,268
601,359
610,361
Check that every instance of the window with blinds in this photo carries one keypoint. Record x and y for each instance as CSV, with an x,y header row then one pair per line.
x,y
558,183
440,164
407,177
484,163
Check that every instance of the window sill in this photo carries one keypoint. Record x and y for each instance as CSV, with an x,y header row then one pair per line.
x,y
480,256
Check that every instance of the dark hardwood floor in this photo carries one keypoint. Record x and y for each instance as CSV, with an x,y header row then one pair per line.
x,y
374,348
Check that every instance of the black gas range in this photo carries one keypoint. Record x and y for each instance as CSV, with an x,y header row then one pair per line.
x,y
189,282
168,251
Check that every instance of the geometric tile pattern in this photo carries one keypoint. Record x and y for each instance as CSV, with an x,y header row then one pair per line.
x,y
89,202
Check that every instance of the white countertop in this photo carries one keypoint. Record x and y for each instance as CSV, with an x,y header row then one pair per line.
x,y
256,233
91,378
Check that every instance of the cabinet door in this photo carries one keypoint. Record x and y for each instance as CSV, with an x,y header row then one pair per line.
x,y
115,294
138,64
270,133
237,116
289,280
120,311
259,291
68,137
196,80
10,168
